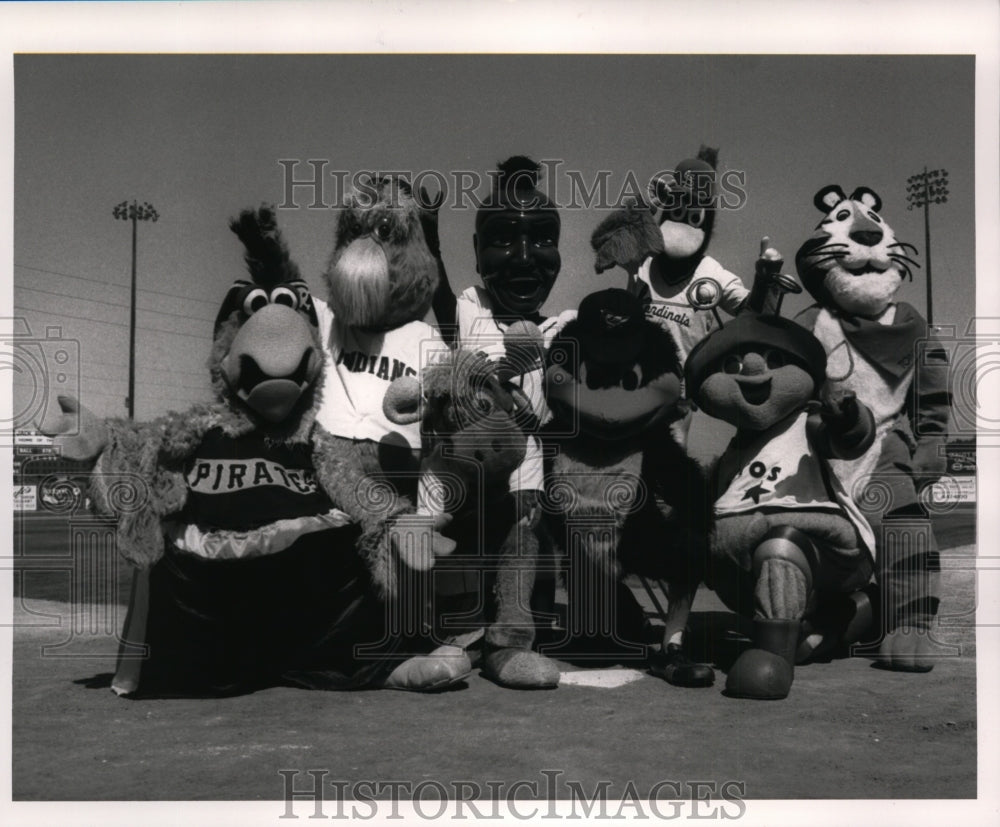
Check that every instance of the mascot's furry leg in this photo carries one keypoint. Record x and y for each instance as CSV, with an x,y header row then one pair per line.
x,y
782,574
909,570
508,656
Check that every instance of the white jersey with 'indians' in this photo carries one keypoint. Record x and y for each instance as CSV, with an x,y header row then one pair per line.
x,y
359,367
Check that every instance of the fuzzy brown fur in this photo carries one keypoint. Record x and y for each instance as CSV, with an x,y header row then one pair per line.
x,y
266,254
469,423
625,239
381,274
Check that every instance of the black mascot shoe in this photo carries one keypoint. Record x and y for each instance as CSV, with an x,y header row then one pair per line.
x,y
834,630
678,669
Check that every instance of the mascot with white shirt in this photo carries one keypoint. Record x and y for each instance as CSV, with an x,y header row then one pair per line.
x,y
516,243
791,551
666,262
380,280
268,550
882,351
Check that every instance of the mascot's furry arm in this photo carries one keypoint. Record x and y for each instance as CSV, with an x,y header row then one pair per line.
x,y
349,473
626,238
681,485
138,467
840,428
928,407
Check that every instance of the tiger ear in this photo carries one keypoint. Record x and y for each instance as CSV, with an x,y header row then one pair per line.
x,y
867,197
828,198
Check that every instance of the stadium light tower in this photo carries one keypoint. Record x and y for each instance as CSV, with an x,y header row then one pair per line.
x,y
921,190
135,213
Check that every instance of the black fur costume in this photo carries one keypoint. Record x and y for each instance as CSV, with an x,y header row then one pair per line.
x,y
624,497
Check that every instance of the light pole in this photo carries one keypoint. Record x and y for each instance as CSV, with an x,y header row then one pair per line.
x,y
922,189
135,213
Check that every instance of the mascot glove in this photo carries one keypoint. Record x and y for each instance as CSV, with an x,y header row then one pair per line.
x,y
429,210
418,541
849,424
929,462
529,510
78,433
841,416
770,261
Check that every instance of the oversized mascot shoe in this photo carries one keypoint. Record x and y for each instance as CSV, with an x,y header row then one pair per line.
x,y
907,649
846,622
442,668
677,669
766,672
520,669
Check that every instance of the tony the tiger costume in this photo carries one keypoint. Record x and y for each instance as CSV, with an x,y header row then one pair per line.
x,y
884,352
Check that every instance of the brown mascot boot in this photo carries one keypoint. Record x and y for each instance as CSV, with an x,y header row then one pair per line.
x,y
442,668
910,576
508,658
782,584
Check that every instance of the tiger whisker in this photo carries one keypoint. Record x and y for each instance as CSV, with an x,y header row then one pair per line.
x,y
825,259
900,257
916,252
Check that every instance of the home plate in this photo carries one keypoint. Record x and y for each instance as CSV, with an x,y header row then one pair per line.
x,y
601,678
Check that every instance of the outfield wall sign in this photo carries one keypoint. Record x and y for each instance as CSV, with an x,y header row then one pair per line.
x,y
25,497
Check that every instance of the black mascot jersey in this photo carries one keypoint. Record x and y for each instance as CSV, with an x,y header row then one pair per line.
x,y
243,483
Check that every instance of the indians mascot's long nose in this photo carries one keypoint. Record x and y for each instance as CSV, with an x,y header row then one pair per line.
x,y
272,362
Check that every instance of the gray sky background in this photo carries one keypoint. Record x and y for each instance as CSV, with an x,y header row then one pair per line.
x,y
201,136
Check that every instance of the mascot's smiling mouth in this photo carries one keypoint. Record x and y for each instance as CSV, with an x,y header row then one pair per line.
x,y
251,374
866,269
272,397
524,287
755,391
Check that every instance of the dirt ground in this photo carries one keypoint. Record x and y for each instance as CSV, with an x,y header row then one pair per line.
x,y
847,730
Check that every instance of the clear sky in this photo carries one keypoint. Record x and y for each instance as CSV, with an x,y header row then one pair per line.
x,y
202,136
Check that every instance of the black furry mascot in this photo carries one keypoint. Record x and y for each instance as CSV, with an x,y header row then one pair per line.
x,y
624,496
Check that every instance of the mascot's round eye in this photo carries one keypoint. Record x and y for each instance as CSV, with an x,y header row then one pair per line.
x,y
677,212
732,364
286,296
874,216
774,359
696,217
843,215
254,301
383,229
